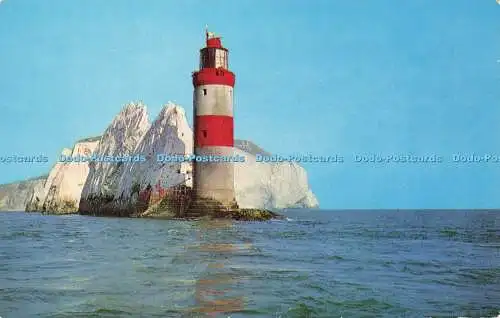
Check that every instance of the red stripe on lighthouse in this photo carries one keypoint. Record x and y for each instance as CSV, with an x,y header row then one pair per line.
x,y
209,76
214,130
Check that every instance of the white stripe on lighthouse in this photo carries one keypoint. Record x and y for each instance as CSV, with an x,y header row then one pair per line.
x,y
215,179
213,100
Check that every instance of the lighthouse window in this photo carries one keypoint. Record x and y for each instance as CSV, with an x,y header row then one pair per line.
x,y
208,57
205,133
204,91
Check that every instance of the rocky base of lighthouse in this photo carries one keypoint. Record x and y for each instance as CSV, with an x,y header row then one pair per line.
x,y
209,208
201,208
249,215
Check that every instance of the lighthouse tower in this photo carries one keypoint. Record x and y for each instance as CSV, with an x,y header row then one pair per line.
x,y
213,123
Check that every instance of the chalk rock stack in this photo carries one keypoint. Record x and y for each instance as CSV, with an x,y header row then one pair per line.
x,y
120,138
62,190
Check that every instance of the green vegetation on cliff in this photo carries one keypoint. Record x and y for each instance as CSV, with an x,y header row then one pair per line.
x,y
90,139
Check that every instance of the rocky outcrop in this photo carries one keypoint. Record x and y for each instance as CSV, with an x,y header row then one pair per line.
x,y
16,195
270,185
120,138
250,147
169,134
142,184
36,197
203,207
146,187
259,186
64,193
39,194
62,190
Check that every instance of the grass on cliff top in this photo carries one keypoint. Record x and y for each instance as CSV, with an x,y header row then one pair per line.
x,y
90,139
25,180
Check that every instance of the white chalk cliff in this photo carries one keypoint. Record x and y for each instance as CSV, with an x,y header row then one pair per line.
x,y
169,134
270,185
62,189
120,138
15,196
110,188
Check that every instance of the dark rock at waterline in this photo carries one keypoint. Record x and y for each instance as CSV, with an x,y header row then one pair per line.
x,y
202,207
183,208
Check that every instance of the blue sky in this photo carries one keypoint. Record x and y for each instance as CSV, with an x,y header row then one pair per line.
x,y
321,77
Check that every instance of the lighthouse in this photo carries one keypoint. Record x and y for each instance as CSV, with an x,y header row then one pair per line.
x,y
213,124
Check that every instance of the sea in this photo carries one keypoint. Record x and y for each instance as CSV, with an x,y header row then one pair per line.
x,y
316,263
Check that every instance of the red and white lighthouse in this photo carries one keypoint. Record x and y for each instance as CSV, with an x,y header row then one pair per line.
x,y
213,123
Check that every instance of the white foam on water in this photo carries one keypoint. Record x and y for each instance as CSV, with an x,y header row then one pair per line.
x,y
280,220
